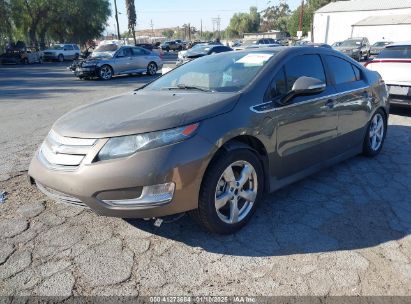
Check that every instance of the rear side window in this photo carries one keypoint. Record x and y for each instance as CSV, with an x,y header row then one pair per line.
x,y
304,65
402,52
342,70
75,47
68,47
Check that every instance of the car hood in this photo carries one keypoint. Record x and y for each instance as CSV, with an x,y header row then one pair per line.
x,y
143,111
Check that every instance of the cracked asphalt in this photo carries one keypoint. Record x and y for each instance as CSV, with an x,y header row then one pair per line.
x,y
343,231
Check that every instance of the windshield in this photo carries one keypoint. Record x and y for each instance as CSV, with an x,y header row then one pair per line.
x,y
250,42
351,43
57,47
105,50
403,52
227,72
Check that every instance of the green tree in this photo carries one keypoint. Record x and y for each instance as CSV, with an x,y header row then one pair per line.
x,y
242,23
132,17
168,33
60,20
6,26
275,18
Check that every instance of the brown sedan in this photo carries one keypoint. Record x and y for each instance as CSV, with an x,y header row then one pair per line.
x,y
211,136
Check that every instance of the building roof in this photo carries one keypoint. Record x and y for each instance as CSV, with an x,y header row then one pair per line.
x,y
364,5
385,20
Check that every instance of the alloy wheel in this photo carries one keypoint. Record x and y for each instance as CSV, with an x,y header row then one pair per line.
x,y
106,73
236,192
152,69
376,133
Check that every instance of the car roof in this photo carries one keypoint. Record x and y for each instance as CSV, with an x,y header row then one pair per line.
x,y
402,43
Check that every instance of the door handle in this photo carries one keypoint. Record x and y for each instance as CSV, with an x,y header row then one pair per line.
x,y
329,103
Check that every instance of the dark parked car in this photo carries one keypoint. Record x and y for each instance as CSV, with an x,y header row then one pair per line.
x,y
171,46
377,47
213,135
356,48
202,50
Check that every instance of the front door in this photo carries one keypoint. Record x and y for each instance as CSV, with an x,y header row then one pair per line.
x,y
307,126
123,61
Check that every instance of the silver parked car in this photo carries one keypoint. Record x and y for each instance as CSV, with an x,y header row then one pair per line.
x,y
111,59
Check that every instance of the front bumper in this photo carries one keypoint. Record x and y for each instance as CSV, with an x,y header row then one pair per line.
x,y
86,72
93,185
50,57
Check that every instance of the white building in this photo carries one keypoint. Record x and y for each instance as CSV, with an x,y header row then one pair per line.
x,y
375,19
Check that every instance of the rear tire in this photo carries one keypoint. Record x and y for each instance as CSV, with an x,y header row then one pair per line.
x,y
152,69
375,135
222,206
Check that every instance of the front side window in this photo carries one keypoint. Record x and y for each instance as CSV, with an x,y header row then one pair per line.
x,y
304,65
278,86
343,70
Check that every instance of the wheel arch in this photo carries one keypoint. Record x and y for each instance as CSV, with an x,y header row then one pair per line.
x,y
247,142
114,72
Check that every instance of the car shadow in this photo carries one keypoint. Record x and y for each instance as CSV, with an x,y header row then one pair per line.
x,y
359,203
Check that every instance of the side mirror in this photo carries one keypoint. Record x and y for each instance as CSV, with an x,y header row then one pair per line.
x,y
304,86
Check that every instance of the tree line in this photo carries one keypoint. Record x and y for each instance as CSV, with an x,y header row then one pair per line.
x,y
39,21
274,17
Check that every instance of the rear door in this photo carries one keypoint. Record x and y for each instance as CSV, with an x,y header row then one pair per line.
x,y
353,101
140,58
307,127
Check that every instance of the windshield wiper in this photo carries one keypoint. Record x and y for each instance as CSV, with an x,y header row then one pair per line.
x,y
188,87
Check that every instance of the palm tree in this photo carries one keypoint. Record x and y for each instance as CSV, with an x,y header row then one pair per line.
x,y
131,14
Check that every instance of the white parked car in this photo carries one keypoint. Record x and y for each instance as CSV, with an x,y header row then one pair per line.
x,y
394,65
62,52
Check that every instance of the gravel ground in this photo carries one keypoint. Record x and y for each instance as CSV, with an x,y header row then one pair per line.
x,y
343,231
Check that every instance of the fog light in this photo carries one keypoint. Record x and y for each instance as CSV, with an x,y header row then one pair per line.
x,y
155,195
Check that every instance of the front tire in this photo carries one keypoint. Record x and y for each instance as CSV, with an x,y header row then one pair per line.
x,y
375,135
231,189
105,72
60,58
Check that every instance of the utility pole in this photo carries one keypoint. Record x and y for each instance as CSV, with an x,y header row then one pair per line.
x,y
300,26
118,27
152,27
201,30
189,32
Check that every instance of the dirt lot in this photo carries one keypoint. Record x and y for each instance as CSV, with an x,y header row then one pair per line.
x,y
343,231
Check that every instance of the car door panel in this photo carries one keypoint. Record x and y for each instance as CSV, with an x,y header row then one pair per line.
x,y
353,102
306,132
306,128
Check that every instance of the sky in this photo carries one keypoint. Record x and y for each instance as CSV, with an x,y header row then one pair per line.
x,y
172,13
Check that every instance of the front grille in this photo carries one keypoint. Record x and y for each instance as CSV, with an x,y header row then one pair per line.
x,y
60,196
64,153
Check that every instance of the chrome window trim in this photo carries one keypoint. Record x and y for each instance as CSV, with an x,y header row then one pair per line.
x,y
252,108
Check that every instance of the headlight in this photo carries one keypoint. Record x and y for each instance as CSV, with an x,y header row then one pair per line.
x,y
117,147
